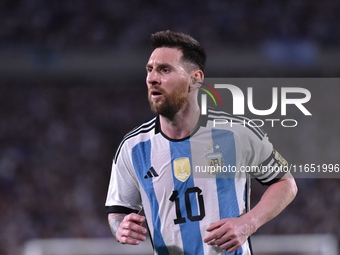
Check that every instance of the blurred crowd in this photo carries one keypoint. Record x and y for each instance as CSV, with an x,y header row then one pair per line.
x,y
56,150
76,23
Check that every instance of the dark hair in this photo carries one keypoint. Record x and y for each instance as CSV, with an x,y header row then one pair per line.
x,y
192,51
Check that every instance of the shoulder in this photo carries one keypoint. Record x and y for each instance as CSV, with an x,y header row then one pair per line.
x,y
140,133
236,123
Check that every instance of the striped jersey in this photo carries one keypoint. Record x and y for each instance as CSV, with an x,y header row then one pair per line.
x,y
186,185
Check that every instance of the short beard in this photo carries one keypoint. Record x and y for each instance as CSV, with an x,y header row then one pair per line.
x,y
171,105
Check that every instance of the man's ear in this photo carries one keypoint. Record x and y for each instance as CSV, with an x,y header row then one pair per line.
x,y
197,78
194,81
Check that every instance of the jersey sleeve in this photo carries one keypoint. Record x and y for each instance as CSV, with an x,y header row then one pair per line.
x,y
263,162
123,194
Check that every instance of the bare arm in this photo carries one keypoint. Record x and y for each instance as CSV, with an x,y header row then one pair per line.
x,y
126,228
114,221
229,234
276,198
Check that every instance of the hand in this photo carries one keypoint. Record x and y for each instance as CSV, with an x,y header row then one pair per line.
x,y
130,229
230,233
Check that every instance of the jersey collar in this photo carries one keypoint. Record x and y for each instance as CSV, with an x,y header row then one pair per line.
x,y
202,122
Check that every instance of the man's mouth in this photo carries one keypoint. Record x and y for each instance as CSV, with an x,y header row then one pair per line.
x,y
156,94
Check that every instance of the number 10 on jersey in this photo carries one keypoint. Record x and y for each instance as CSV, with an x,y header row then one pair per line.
x,y
175,198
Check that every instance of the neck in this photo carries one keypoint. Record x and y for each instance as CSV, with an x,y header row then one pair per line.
x,y
183,123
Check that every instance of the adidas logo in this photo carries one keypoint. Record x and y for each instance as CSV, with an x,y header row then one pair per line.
x,y
151,173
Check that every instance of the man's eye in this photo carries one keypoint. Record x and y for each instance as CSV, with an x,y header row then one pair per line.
x,y
165,70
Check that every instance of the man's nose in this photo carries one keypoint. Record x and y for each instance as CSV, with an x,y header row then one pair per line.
x,y
153,78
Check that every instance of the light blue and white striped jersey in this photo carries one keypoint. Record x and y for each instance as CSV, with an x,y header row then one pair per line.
x,y
186,185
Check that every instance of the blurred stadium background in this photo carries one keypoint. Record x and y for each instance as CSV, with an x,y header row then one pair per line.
x,y
73,83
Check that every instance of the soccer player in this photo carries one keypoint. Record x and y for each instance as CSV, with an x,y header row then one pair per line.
x,y
187,174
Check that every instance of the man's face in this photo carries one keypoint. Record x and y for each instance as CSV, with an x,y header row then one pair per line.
x,y
168,82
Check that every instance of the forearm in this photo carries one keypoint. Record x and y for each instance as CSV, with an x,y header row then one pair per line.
x,y
127,228
274,200
230,233
114,221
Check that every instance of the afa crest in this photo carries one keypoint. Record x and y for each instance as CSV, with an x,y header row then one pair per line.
x,y
214,159
182,169
214,162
